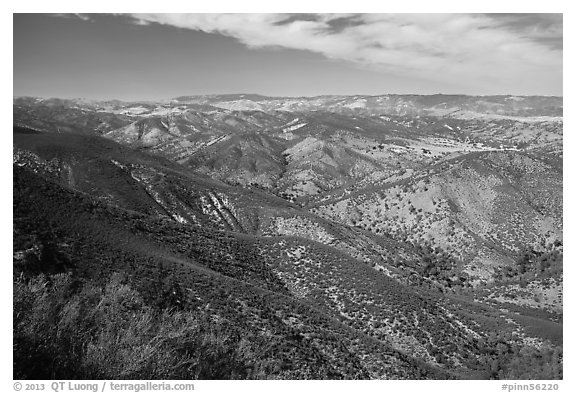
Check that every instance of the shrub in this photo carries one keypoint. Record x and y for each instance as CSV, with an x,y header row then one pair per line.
x,y
65,328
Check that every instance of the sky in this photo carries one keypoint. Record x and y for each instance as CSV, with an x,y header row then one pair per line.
x,y
160,56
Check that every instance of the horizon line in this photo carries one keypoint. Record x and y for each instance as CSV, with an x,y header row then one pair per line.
x,y
287,96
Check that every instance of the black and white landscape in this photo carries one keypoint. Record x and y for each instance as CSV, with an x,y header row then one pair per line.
x,y
247,236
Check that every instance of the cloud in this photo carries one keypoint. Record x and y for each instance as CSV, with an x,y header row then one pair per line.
x,y
84,17
542,28
494,51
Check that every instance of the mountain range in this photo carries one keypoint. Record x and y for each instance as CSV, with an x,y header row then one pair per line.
x,y
243,236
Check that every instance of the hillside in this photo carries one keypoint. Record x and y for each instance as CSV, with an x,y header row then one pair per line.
x,y
482,208
60,231
389,237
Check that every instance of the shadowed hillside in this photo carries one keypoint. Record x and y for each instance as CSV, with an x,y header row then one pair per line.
x,y
242,236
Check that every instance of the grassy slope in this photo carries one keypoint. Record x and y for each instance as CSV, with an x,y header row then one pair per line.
x,y
94,241
215,268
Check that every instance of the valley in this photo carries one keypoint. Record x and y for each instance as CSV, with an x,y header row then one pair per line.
x,y
332,237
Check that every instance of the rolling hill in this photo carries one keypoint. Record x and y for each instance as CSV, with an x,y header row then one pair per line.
x,y
242,236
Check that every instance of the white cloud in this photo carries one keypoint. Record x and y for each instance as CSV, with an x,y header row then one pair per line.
x,y
490,53
84,17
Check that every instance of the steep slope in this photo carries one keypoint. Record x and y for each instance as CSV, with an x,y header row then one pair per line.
x,y
155,186
141,182
482,208
335,237
376,143
246,159
63,116
330,316
59,230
